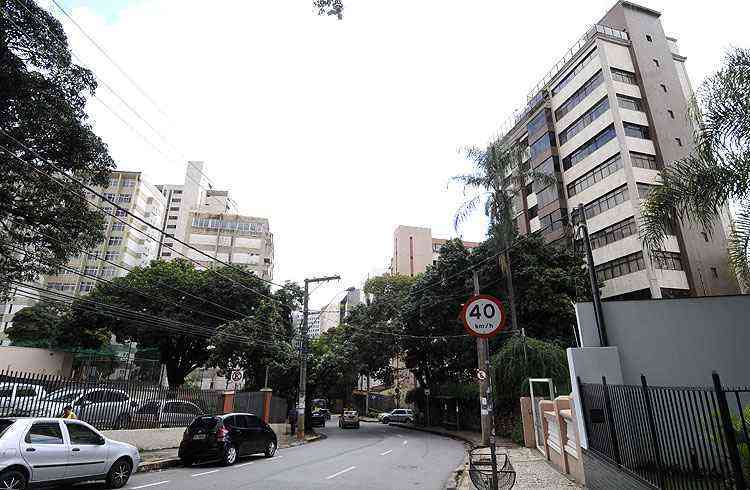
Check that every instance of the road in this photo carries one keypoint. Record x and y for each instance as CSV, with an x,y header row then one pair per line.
x,y
375,456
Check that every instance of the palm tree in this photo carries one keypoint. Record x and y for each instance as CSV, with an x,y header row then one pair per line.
x,y
497,183
696,189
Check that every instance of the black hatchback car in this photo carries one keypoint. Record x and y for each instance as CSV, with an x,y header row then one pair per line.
x,y
226,437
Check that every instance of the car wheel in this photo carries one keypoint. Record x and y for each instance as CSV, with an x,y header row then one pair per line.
x,y
357,426
12,479
122,422
386,420
270,449
229,457
119,473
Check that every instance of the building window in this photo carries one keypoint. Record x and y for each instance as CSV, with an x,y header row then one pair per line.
x,y
176,200
629,103
669,261
123,197
641,160
169,245
656,62
175,208
86,287
637,131
556,220
111,255
671,113
679,141
166,254
538,122
705,236
119,212
106,272
613,233
172,217
548,167
589,147
171,227
533,211
542,144
715,272
606,202
176,191
580,94
90,271
548,195
663,87
623,76
575,71
115,241
599,173
590,116
528,189
644,189
621,266
648,38
118,226
128,183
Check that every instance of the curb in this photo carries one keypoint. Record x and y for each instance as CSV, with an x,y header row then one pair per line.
x,y
456,437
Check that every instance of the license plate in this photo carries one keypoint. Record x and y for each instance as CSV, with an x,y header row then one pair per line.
x,y
199,436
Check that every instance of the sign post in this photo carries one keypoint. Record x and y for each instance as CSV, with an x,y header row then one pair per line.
x,y
484,317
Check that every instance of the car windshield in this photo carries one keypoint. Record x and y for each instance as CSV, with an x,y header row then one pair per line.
x,y
350,413
63,396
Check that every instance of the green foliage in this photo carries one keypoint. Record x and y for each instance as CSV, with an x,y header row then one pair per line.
x,y
48,326
512,369
696,188
41,88
516,434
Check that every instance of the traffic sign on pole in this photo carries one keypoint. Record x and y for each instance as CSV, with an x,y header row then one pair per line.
x,y
237,376
483,316
481,375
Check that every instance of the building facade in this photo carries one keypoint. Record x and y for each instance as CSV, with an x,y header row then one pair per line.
x,y
207,219
414,248
604,121
124,246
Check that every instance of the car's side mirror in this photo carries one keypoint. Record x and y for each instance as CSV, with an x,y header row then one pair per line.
x,y
101,441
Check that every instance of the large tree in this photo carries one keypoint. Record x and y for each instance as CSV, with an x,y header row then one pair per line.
x,y
47,324
44,130
175,291
697,188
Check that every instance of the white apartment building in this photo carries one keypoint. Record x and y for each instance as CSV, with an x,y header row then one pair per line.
x,y
123,246
208,220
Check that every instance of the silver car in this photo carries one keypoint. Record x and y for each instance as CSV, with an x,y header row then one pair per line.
x,y
400,415
43,451
15,397
165,413
98,406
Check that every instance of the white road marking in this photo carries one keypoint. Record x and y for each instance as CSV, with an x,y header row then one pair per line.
x,y
341,472
244,464
206,473
387,452
150,484
405,442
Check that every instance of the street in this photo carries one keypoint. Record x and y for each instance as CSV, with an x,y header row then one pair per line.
x,y
375,456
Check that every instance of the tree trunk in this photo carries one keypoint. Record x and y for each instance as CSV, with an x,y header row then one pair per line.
x,y
506,267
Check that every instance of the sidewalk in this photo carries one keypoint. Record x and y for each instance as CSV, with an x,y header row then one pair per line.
x,y
167,458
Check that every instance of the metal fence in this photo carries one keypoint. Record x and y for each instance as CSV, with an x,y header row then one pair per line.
x,y
104,404
671,437
252,401
480,470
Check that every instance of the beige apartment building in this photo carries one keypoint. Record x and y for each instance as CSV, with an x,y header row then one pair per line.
x,y
414,248
604,121
123,247
207,219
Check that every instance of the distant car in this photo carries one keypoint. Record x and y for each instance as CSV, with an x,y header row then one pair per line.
x,y
43,451
400,415
326,413
226,437
15,397
382,415
318,419
97,406
350,418
165,413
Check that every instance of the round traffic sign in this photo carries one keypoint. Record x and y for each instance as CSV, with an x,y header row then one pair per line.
x,y
237,376
481,375
483,316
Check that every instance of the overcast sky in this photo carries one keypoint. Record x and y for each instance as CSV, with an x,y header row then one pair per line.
x,y
338,131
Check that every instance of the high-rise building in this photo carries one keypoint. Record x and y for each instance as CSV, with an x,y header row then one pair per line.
x,y
414,248
208,220
604,121
127,246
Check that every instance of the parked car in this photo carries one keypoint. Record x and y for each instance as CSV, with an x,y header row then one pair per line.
x,y
16,397
400,415
165,413
43,451
350,418
318,419
104,407
226,437
326,413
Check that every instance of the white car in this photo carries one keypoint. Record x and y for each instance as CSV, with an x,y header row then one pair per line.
x,y
42,451
16,397
400,415
103,407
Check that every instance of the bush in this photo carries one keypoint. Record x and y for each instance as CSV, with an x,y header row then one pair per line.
x,y
517,434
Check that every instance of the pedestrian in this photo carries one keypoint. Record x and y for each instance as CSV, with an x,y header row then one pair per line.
x,y
68,413
292,416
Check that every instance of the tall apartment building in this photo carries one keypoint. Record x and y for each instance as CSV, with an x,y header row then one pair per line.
x,y
122,245
208,219
604,121
414,248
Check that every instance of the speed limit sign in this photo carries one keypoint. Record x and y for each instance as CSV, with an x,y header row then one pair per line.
x,y
483,316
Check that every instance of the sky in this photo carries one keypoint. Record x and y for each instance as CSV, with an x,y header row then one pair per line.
x,y
338,131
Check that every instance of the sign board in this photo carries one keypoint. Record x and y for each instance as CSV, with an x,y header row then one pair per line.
x,y
483,316
427,392
236,376
481,375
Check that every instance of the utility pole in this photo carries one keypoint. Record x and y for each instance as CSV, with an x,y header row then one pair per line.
x,y
486,397
303,356
598,312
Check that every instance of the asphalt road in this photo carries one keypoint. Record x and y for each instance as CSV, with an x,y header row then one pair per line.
x,y
375,456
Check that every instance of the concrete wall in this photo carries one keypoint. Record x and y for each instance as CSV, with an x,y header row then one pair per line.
x,y
676,342
31,360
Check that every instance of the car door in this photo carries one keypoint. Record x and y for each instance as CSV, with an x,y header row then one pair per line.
x,y
88,406
256,434
397,416
45,451
234,425
88,451
170,414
